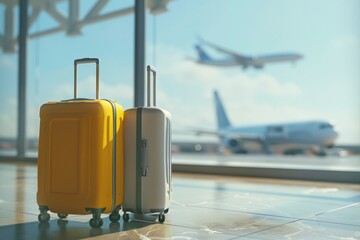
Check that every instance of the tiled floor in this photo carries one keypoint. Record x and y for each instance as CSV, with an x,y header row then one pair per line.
x,y
203,207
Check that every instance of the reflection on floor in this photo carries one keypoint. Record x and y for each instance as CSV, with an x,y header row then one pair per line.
x,y
203,207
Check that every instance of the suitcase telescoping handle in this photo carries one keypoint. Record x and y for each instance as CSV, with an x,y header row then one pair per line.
x,y
86,60
151,69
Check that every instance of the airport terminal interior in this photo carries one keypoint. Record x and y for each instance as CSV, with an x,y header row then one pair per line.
x,y
291,181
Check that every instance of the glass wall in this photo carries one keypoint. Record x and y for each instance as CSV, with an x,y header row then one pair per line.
x,y
52,48
8,81
271,64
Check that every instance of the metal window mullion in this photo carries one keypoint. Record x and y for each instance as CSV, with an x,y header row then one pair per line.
x,y
23,18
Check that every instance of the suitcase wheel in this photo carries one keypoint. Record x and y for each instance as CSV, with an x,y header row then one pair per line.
x,y
96,223
62,215
161,218
114,217
126,217
166,210
44,217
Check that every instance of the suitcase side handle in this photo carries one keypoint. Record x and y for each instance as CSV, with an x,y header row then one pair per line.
x,y
151,69
82,61
144,157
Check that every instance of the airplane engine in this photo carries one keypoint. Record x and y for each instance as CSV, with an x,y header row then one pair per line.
x,y
235,146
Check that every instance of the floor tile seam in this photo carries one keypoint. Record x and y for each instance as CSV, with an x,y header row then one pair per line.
x,y
237,237
240,237
252,237
329,211
329,222
309,218
339,208
253,213
269,228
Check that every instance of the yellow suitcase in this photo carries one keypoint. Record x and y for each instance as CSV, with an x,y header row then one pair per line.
x,y
80,156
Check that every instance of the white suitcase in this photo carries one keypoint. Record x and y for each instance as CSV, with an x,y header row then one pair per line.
x,y
147,158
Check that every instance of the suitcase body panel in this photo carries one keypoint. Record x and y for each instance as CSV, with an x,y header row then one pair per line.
x,y
75,158
150,193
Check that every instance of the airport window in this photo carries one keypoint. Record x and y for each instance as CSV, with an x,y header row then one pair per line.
x,y
8,88
51,50
226,87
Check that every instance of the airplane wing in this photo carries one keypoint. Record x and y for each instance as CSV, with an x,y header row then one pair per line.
x,y
246,137
206,132
236,136
241,137
226,51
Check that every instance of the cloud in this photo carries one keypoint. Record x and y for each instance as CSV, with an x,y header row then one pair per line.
x,y
8,63
8,121
122,93
107,90
346,42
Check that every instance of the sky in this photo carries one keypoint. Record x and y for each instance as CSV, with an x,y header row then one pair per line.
x,y
324,85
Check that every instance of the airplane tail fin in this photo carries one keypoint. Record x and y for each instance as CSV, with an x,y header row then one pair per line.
x,y
222,119
203,56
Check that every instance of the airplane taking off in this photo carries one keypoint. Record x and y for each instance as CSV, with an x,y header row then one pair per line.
x,y
236,59
290,138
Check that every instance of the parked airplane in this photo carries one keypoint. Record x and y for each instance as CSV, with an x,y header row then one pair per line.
x,y
236,59
289,138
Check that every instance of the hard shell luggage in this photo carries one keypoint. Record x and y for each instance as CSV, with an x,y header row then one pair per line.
x,y
147,162
80,156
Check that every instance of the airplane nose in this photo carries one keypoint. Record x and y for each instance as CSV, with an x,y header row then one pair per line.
x,y
332,136
335,134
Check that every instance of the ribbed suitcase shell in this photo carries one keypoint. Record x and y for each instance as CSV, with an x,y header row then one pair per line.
x,y
75,164
150,193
